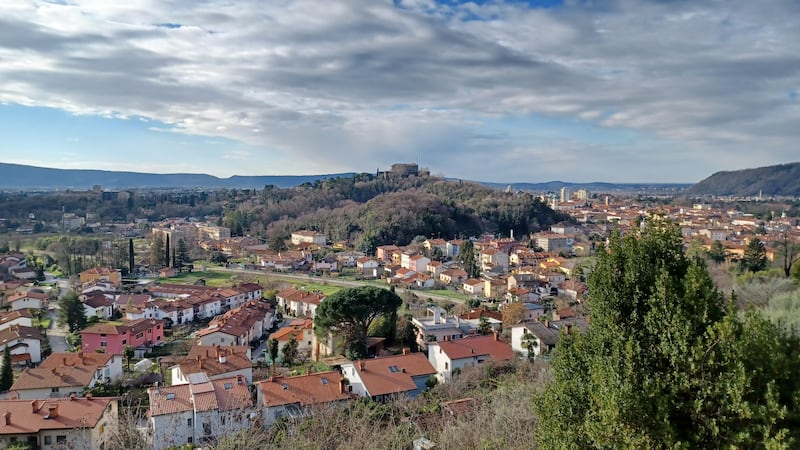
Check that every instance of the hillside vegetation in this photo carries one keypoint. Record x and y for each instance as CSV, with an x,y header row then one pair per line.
x,y
371,211
781,180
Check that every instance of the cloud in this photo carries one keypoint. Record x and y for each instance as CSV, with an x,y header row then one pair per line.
x,y
359,84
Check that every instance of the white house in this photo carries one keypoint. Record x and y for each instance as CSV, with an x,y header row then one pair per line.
x,y
452,357
278,397
64,374
542,337
25,343
27,300
387,377
74,423
21,317
198,412
215,362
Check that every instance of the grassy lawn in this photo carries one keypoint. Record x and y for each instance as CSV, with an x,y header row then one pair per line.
x,y
449,293
216,279
324,288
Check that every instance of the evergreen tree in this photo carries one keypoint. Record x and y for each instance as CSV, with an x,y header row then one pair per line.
x,y
468,259
755,256
182,258
289,351
483,326
717,252
272,348
166,252
7,374
157,251
667,362
71,312
130,255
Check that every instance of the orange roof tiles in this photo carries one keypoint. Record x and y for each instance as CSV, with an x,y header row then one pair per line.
x,y
32,416
476,346
392,374
310,389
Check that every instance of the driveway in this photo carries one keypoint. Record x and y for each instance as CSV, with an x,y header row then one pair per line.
x,y
56,335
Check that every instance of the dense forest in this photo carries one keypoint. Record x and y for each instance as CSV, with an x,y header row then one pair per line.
x,y
362,209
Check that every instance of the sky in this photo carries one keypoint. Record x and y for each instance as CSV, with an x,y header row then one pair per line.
x,y
494,90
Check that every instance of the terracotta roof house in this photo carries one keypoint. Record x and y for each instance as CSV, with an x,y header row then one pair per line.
x,y
215,362
114,337
198,412
386,377
25,343
450,357
20,317
63,374
289,396
26,300
74,423
238,326
542,337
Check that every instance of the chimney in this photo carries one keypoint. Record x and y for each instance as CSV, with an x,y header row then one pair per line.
x,y
64,361
496,337
222,359
437,315
7,417
34,406
362,366
72,396
52,410
88,396
406,351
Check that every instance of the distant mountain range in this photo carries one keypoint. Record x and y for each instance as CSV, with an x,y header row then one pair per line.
x,y
20,177
783,179
780,180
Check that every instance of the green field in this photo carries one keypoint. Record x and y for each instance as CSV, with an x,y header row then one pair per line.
x,y
216,279
324,288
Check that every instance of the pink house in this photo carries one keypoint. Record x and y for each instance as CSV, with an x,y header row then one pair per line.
x,y
113,339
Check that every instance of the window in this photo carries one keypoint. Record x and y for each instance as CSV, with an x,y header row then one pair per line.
x,y
228,386
393,369
61,439
124,341
48,440
54,390
207,428
324,380
104,344
102,335
171,396
189,422
158,338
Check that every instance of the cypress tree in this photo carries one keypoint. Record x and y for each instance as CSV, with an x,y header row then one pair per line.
x,y
130,255
166,253
7,375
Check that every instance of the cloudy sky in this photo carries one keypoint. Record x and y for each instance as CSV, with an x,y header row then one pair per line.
x,y
506,90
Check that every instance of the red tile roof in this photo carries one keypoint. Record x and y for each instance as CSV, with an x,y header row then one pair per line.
x,y
392,374
32,416
311,389
477,346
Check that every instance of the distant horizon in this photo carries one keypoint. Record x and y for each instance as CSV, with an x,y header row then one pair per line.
x,y
491,90
445,176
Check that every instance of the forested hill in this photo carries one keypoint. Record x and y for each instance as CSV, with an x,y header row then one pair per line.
x,y
370,211
20,177
783,179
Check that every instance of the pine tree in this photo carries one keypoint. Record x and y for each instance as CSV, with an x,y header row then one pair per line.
x,y
71,312
667,362
7,374
755,256
182,258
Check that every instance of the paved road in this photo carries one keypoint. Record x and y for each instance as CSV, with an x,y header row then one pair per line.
x,y
55,334
333,282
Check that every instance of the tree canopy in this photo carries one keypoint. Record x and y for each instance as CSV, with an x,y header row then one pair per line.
x,y
71,312
667,361
351,311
